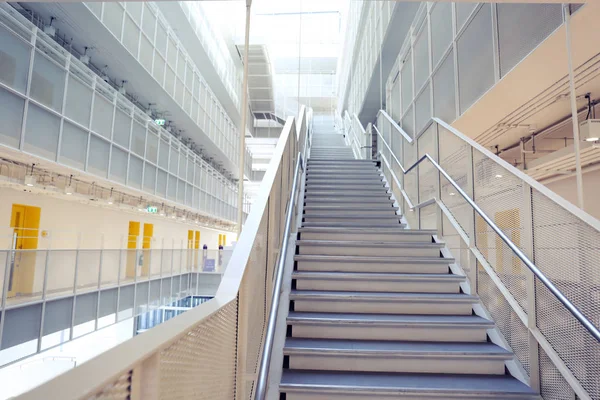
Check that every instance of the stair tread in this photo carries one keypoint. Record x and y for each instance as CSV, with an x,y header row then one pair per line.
x,y
365,243
387,231
385,296
402,382
387,276
389,319
388,347
384,259
390,214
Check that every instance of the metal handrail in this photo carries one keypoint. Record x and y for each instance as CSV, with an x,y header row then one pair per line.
x,y
590,327
395,125
265,362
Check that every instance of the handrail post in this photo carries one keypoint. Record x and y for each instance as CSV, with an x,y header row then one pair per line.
x,y
528,247
472,224
439,215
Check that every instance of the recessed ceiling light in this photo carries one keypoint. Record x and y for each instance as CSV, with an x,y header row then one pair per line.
x,y
452,194
498,176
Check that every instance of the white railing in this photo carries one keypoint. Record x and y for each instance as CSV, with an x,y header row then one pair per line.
x,y
213,350
532,257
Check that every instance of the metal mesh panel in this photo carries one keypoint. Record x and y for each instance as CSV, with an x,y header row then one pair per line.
x,y
501,196
406,83
475,58
441,30
120,389
423,109
201,364
506,320
444,91
572,263
455,161
521,28
552,384
421,60
456,245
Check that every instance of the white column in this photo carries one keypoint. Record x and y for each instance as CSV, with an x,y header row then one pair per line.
x,y
240,216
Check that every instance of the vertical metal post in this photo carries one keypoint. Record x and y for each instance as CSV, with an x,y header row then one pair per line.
x,y
5,292
439,215
242,150
534,360
575,120
162,255
99,281
472,227
44,288
119,278
75,286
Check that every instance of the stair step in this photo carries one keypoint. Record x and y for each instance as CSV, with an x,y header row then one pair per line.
x,y
377,282
366,234
341,201
346,186
439,328
337,385
396,356
348,194
368,248
384,217
424,265
352,224
383,302
348,161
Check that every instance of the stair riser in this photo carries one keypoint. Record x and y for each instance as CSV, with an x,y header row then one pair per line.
x,y
375,332
324,266
373,216
378,286
370,251
349,195
388,213
313,395
368,182
380,307
341,202
343,173
397,238
334,185
351,225
442,365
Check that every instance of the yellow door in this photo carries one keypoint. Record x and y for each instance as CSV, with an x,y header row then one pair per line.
x,y
25,221
146,245
132,256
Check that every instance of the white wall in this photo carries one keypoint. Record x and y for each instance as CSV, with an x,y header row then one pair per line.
x,y
65,219
567,188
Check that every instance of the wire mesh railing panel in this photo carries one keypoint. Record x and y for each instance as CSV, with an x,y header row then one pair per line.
x,y
553,385
502,196
201,364
507,321
456,244
119,390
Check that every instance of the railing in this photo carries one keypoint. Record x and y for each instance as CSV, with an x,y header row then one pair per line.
x,y
213,350
532,257
357,136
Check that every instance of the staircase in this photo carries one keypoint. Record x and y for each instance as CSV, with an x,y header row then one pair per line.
x,y
375,312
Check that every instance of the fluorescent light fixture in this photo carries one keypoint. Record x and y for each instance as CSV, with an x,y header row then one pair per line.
x,y
452,194
30,180
592,139
498,176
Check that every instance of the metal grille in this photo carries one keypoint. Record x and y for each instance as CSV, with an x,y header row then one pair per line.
x,y
552,384
118,390
475,58
201,364
406,83
441,30
444,99
572,263
454,159
423,109
421,60
521,28
513,330
456,245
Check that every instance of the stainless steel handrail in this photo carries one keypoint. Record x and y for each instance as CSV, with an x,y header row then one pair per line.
x,y
265,362
591,328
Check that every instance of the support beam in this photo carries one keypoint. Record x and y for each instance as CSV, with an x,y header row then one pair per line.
x,y
240,216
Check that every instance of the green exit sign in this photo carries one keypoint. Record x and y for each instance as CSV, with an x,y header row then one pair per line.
x,y
152,210
160,122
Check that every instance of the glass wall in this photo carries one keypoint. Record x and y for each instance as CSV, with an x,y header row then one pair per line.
x,y
56,108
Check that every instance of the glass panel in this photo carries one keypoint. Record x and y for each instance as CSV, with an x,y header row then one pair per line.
x,y
149,178
173,161
138,139
422,110
163,154
11,113
170,81
159,68
41,132
182,166
149,22
118,165
146,52
441,29
406,83
172,188
136,167
161,183
47,82
103,115
113,18
73,146
14,60
79,101
131,36
444,91
122,129
98,156
180,191
135,10
161,39
152,147
421,52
